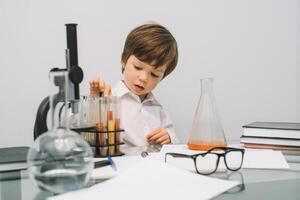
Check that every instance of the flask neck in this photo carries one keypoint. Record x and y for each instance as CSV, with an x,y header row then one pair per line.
x,y
207,85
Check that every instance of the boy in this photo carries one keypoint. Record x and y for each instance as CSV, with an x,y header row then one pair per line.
x,y
150,54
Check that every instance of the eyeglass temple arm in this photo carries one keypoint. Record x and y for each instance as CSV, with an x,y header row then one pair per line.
x,y
176,155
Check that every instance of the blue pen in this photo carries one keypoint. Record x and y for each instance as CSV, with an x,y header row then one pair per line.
x,y
112,163
104,163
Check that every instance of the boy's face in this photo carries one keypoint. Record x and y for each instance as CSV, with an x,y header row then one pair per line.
x,y
141,78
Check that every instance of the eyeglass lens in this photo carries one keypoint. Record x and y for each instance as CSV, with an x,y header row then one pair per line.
x,y
233,160
206,164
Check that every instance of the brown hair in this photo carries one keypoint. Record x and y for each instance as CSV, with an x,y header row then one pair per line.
x,y
152,44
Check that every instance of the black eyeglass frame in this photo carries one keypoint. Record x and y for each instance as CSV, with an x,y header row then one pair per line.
x,y
226,149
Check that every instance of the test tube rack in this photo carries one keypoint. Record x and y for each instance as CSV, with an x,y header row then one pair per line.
x,y
106,149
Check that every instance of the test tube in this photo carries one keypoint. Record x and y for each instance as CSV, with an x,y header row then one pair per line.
x,y
83,111
111,124
101,128
118,138
92,118
84,118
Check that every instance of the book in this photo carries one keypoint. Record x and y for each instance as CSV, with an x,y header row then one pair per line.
x,y
13,175
283,149
13,158
291,154
272,130
270,141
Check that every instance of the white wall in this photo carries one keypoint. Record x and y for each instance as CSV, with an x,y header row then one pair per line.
x,y
248,47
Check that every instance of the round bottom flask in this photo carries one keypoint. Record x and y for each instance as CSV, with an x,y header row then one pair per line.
x,y
60,161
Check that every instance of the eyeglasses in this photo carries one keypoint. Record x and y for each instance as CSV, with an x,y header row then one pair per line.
x,y
207,163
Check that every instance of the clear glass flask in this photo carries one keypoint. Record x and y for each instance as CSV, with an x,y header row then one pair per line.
x,y
207,131
60,160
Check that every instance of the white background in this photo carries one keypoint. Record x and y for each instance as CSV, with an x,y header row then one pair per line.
x,y
250,48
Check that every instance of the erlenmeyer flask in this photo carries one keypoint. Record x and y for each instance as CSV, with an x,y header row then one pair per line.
x,y
207,131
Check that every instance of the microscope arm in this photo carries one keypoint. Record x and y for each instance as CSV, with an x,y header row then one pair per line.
x,y
75,76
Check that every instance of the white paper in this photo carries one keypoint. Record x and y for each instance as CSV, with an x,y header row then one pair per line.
x,y
264,159
152,179
122,163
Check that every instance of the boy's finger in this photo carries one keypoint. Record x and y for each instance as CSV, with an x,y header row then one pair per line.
x,y
101,84
154,136
157,135
166,142
91,83
94,82
107,90
162,139
153,133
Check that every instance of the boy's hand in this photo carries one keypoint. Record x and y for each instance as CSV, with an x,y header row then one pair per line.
x,y
97,85
159,136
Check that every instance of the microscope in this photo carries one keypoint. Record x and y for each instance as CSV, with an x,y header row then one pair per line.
x,y
75,77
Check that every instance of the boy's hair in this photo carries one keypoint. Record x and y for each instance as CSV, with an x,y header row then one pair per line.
x,y
152,44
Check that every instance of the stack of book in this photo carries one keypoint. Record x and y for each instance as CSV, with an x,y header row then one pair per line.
x,y
13,158
272,135
12,161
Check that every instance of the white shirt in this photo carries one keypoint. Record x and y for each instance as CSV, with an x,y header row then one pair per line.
x,y
138,118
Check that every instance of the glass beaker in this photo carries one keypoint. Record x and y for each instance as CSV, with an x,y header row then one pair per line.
x,y
207,131
60,159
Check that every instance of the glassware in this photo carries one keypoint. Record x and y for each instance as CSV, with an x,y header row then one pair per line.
x,y
207,162
207,131
98,122
108,127
60,159
89,115
102,127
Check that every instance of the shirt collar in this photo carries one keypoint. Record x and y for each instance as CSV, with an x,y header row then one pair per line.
x,y
121,90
